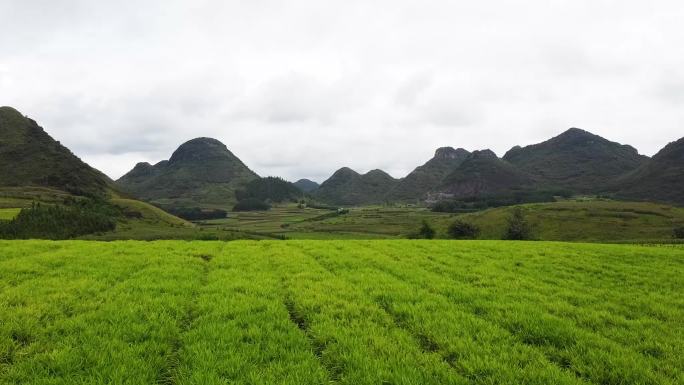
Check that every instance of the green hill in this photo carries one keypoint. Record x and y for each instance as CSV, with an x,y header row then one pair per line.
x,y
346,187
201,173
576,160
427,177
483,174
271,189
306,185
659,179
30,157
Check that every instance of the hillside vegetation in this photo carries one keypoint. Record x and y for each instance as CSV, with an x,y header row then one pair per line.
x,y
661,178
577,160
29,157
580,220
200,173
419,182
347,187
352,312
306,185
483,174
271,189
587,221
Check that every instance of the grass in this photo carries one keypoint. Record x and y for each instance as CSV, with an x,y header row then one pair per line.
x,y
343,312
18,197
587,221
151,223
371,222
580,220
149,212
9,214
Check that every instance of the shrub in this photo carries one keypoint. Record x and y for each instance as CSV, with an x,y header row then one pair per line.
x,y
207,237
463,230
198,214
426,231
72,219
251,204
518,228
679,232
272,189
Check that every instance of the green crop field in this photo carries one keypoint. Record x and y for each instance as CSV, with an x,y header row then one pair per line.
x,y
588,221
572,220
8,214
343,312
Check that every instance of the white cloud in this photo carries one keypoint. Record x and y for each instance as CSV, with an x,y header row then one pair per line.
x,y
303,87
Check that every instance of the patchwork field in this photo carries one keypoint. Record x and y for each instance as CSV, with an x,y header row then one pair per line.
x,y
8,214
344,312
572,220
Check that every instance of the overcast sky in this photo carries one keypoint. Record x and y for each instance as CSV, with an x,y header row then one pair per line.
x,y
299,89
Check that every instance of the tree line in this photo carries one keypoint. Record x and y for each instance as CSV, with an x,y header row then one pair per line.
x,y
73,218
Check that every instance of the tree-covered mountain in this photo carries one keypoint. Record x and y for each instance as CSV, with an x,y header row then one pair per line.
x,y
306,185
347,187
30,157
425,178
483,174
200,173
577,160
661,178
272,189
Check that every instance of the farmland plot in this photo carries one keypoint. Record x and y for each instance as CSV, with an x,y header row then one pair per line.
x,y
344,312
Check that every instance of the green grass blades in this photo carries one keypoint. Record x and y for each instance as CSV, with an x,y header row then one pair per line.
x,y
9,214
342,312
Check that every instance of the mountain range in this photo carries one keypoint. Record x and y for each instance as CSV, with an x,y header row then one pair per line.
x,y
347,187
425,178
577,160
204,173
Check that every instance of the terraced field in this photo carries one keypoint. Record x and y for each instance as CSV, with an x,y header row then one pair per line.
x,y
342,312
588,220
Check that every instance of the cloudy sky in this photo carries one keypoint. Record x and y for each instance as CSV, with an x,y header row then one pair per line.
x,y
300,88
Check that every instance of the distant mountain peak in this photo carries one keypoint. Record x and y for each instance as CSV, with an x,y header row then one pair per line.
x,y
575,131
200,148
484,154
450,153
142,165
31,157
575,135
660,178
423,179
576,159
484,174
348,187
202,171
345,171
377,172
306,185
10,110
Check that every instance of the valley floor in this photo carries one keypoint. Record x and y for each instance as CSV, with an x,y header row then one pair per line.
x,y
344,312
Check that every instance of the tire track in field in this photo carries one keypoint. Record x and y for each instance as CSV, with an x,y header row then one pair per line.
x,y
426,344
555,360
169,372
25,341
331,369
441,269
563,366
333,374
